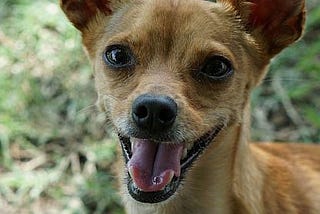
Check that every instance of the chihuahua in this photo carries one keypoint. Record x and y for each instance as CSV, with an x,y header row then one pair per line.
x,y
174,77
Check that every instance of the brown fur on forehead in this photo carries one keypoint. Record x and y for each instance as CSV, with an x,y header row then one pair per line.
x,y
149,26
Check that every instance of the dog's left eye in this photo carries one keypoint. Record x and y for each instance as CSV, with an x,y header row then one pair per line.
x,y
217,68
117,56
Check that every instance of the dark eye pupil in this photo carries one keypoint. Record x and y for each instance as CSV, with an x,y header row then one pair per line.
x,y
216,68
118,57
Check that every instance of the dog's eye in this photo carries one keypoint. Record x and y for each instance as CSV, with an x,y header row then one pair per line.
x,y
217,68
117,56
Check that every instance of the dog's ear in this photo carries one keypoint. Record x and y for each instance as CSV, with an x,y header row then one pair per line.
x,y
90,17
81,12
274,23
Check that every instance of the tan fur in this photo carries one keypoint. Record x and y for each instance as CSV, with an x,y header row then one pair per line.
x,y
170,39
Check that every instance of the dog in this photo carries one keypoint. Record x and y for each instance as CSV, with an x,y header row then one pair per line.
x,y
174,78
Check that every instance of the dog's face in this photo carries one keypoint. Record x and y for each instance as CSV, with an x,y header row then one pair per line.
x,y
172,73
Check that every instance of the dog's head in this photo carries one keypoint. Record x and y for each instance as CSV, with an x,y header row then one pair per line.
x,y
172,73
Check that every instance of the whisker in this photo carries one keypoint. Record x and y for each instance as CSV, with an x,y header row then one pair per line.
x,y
112,97
284,79
90,108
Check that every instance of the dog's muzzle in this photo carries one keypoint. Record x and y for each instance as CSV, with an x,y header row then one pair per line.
x,y
157,167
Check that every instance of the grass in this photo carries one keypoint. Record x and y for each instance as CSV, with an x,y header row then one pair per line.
x,y
56,151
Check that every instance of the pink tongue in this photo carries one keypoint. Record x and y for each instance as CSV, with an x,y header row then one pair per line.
x,y
152,166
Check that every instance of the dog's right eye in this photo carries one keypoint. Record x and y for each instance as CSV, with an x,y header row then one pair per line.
x,y
217,68
117,56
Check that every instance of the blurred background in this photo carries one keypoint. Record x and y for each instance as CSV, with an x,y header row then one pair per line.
x,y
56,151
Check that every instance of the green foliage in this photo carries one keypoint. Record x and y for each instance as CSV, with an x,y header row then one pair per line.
x,y
55,150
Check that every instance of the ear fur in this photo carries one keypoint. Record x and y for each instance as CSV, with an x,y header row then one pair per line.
x,y
80,12
274,23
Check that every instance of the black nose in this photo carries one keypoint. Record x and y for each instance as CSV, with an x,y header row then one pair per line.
x,y
154,113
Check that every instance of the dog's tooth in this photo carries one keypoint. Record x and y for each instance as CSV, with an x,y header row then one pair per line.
x,y
132,143
130,169
189,146
185,152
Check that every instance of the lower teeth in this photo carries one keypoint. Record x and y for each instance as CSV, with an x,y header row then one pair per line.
x,y
185,152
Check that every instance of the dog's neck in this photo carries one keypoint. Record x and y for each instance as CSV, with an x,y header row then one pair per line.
x,y
247,175
228,175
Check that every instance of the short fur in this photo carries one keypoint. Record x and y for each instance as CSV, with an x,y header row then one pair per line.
x,y
170,39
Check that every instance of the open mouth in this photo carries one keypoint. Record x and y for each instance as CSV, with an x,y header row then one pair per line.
x,y
155,170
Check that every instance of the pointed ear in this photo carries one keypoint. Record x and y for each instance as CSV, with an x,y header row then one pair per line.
x,y
274,23
80,12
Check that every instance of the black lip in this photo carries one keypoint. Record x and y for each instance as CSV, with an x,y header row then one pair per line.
x,y
153,197
159,196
